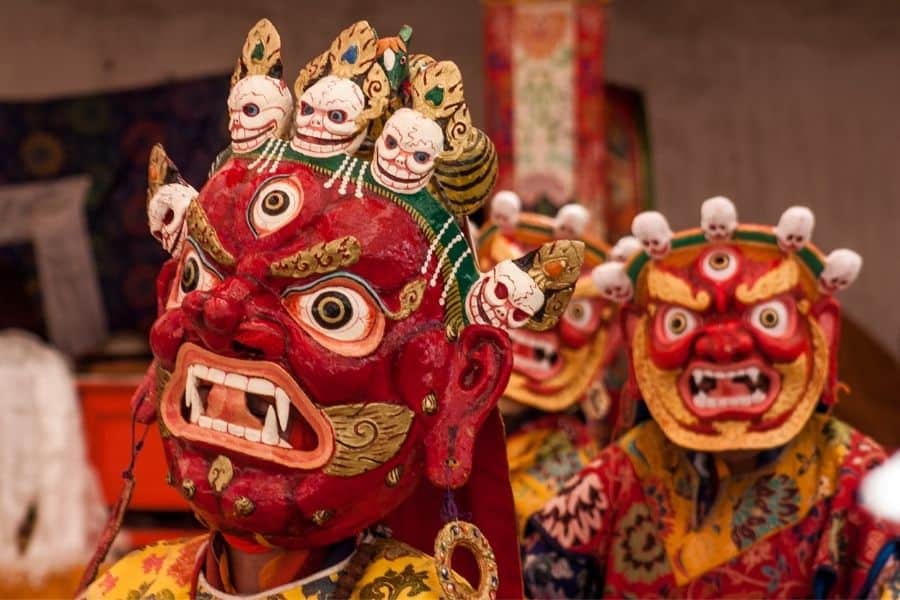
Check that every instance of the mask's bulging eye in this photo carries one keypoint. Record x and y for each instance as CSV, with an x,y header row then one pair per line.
x,y
193,275
251,110
579,313
771,318
720,265
277,202
345,320
678,322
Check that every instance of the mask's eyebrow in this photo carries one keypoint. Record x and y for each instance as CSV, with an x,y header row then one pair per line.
x,y
202,232
410,296
671,288
776,281
324,257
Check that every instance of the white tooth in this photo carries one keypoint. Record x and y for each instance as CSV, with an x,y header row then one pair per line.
x,y
270,429
283,403
205,422
215,375
200,371
219,425
746,400
237,430
698,376
190,391
252,435
753,373
236,381
196,410
283,444
758,396
700,399
263,387
713,374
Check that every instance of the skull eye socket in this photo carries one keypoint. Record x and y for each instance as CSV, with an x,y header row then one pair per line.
x,y
277,202
250,109
343,318
193,275
337,116
390,141
771,318
421,157
306,108
501,291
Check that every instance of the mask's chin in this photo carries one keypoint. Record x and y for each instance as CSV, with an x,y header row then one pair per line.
x,y
248,407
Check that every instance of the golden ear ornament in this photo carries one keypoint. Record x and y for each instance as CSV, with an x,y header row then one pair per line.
x,y
460,533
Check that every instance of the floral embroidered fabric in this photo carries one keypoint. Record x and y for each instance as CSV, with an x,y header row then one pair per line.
x,y
170,570
627,525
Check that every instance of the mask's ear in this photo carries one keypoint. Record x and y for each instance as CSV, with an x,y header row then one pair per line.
x,y
478,375
827,313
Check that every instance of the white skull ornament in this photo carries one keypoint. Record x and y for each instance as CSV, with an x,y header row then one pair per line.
x,y
166,211
505,209
504,297
570,222
841,270
794,228
718,218
258,107
624,249
654,233
325,118
612,281
405,151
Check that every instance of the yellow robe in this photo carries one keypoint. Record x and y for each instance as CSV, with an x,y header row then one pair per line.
x,y
170,570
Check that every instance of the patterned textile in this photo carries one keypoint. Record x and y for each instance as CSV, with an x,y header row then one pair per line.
x,y
542,455
109,137
626,526
545,100
170,570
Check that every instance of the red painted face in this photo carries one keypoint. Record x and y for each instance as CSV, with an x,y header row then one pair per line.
x,y
730,354
309,360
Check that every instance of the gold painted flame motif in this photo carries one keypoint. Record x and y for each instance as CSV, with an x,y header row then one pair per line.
x,y
261,54
202,232
366,436
555,268
319,259
410,299
780,279
672,289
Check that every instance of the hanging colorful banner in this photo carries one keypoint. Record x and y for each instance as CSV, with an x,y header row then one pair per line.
x,y
546,103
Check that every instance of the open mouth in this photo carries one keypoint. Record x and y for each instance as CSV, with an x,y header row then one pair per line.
x,y
267,129
395,175
253,407
315,140
744,390
536,355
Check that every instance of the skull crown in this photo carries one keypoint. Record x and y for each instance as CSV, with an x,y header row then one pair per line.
x,y
719,224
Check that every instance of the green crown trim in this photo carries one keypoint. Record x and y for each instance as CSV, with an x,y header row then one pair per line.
x,y
809,254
